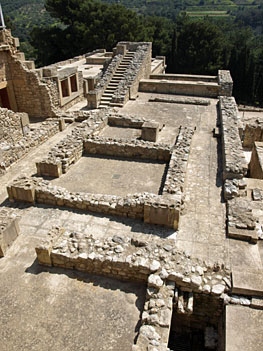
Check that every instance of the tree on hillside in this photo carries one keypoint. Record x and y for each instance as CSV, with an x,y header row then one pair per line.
x,y
198,47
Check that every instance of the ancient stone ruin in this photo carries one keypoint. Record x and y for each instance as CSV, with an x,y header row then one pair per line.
x,y
131,210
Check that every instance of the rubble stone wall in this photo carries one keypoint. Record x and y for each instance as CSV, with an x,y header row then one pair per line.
x,y
69,150
174,182
145,206
127,148
10,126
14,150
31,95
234,163
158,264
225,83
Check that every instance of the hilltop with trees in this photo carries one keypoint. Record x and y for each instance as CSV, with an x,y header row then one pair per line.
x,y
199,44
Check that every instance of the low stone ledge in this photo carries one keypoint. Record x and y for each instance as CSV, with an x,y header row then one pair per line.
x,y
182,100
117,120
9,229
127,148
256,162
234,163
129,259
174,183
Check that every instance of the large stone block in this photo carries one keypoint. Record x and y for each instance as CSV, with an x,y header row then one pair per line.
x,y
150,131
256,162
161,212
25,193
8,234
48,169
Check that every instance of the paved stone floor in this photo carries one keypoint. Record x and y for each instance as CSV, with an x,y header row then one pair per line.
x,y
113,176
44,309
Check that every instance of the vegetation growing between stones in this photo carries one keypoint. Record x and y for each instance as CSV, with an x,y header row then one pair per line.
x,y
198,45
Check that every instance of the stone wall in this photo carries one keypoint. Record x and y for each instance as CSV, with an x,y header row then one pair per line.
x,y
69,150
10,126
127,148
31,95
143,206
234,163
174,182
9,229
225,83
179,87
157,263
14,149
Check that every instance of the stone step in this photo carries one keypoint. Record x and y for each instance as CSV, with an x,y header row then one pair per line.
x,y
109,90
107,94
106,99
113,85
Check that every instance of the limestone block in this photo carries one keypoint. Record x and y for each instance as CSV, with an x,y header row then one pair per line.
x,y
247,282
150,131
243,329
16,42
49,72
43,250
30,64
49,169
25,193
256,162
20,56
8,234
161,213
62,124
24,119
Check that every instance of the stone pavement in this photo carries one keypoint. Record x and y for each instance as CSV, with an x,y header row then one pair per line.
x,y
203,219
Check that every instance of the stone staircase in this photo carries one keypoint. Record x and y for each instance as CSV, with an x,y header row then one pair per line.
x,y
114,82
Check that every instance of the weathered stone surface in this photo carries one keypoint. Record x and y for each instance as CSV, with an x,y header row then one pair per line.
x,y
240,318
